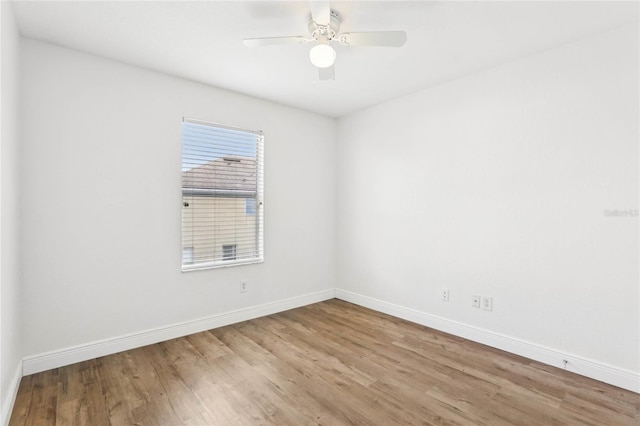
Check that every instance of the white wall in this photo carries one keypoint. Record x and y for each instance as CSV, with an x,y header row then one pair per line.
x,y
10,317
102,200
496,184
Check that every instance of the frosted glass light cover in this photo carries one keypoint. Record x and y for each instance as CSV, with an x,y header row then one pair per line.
x,y
322,55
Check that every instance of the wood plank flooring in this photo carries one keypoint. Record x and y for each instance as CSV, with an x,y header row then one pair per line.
x,y
331,363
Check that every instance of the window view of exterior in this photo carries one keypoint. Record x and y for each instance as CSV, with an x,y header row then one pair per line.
x,y
221,196
229,252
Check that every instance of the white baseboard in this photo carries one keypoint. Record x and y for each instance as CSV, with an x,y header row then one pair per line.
x,y
593,369
10,398
58,358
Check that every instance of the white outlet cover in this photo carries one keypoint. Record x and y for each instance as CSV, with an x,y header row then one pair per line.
x,y
487,303
445,294
475,301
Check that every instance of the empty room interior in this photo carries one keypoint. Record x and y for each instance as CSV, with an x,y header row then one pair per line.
x,y
293,212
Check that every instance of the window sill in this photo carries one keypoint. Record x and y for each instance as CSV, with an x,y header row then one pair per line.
x,y
217,265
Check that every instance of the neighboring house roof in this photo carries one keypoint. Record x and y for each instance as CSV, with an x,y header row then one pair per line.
x,y
230,173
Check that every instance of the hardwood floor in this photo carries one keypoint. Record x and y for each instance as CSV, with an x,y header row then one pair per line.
x,y
330,363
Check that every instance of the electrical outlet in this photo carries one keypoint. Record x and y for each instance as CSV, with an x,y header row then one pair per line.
x,y
243,286
487,303
475,301
445,294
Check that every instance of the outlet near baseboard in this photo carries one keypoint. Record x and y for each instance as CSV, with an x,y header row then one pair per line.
x,y
445,294
487,303
475,301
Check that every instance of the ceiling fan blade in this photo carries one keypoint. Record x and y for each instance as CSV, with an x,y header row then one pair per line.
x,y
326,73
273,41
375,38
320,12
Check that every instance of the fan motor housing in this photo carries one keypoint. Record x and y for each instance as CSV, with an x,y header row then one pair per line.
x,y
327,32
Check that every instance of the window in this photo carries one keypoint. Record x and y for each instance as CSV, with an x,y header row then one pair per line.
x,y
250,206
222,186
187,255
229,252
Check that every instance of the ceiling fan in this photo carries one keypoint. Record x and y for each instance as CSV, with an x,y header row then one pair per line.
x,y
324,27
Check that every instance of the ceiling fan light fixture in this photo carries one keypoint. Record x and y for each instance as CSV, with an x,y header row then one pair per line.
x,y
322,55
324,26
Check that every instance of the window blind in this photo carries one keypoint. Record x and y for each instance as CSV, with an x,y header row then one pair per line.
x,y
222,186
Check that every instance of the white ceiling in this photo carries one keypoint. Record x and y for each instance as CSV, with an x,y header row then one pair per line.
x,y
202,41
